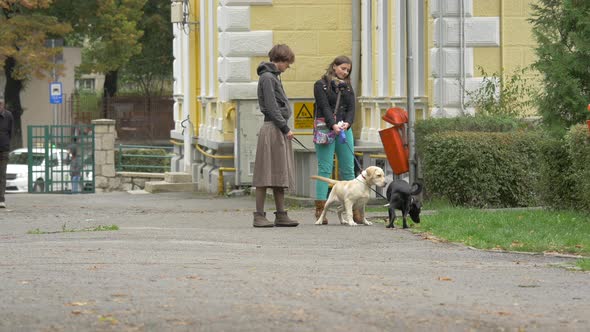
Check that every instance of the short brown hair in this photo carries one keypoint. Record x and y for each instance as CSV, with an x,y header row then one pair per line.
x,y
281,53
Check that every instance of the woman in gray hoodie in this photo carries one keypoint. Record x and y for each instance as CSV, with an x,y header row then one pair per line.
x,y
274,166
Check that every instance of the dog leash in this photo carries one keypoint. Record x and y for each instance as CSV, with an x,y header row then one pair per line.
x,y
299,142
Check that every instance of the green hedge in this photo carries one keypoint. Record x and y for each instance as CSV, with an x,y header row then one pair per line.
x,y
579,150
143,160
483,170
556,182
565,180
469,123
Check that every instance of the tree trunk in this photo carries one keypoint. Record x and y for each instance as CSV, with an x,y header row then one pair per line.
x,y
109,90
12,100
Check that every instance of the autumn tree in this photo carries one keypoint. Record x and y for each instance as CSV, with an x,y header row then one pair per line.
x,y
24,30
109,33
152,68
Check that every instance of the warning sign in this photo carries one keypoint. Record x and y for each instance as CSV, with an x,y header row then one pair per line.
x,y
304,115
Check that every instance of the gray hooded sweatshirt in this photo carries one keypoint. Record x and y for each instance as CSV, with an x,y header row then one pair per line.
x,y
272,99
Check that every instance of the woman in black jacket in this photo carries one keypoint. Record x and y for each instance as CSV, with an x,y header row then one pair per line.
x,y
335,80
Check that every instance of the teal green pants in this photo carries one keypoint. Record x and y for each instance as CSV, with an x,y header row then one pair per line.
x,y
325,155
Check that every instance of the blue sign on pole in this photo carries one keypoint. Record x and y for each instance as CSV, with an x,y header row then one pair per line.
x,y
55,93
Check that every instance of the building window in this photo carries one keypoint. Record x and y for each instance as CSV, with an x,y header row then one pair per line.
x,y
85,84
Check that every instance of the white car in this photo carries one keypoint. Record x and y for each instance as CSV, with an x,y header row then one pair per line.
x,y
53,172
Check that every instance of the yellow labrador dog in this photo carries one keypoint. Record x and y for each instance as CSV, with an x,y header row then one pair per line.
x,y
352,194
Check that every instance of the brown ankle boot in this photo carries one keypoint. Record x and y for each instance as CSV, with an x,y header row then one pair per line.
x,y
283,220
261,221
319,207
357,216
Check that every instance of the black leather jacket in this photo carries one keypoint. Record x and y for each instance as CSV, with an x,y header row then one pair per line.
x,y
325,95
6,130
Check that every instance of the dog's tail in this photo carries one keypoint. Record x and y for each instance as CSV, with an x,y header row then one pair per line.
x,y
418,188
321,178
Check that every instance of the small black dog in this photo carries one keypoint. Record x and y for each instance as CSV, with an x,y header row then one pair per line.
x,y
401,196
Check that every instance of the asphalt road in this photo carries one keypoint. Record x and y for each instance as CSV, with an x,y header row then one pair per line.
x,y
189,262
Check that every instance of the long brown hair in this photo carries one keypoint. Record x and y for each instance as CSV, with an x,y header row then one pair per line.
x,y
330,73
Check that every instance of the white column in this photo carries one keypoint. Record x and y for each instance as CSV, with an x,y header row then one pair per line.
x,y
400,46
187,101
177,72
212,54
367,49
383,47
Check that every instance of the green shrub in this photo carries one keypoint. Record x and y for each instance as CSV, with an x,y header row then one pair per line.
x,y
578,144
482,123
483,170
556,185
504,95
565,171
143,160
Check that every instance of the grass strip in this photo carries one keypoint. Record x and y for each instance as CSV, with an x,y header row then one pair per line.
x,y
99,228
537,230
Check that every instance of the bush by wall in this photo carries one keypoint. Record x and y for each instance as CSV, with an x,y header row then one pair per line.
x,y
483,170
142,160
579,150
469,123
556,182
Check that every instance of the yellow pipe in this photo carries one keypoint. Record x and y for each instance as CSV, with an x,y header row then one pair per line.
x,y
220,181
211,155
203,151
176,143
378,156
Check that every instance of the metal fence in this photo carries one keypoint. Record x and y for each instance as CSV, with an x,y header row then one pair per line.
x,y
138,119
59,159
142,158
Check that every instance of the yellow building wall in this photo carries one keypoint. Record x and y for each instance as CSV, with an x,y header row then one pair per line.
x,y
516,40
317,31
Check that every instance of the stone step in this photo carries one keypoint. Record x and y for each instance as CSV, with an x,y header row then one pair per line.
x,y
164,186
177,177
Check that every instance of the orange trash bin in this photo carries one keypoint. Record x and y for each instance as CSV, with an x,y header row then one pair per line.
x,y
394,142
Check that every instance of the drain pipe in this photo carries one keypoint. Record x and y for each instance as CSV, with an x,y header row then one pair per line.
x,y
356,45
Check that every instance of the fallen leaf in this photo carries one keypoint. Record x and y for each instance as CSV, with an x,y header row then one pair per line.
x,y
445,279
76,312
503,313
108,319
77,304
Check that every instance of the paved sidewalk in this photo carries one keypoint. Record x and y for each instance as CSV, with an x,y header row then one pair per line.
x,y
190,262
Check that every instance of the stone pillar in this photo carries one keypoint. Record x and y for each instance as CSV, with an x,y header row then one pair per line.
x,y
104,154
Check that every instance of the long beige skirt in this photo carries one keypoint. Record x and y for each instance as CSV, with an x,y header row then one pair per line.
x,y
274,165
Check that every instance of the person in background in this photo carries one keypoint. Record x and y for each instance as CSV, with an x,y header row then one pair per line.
x,y
6,132
335,80
75,170
274,165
